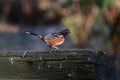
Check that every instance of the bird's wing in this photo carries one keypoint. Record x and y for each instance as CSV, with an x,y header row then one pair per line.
x,y
52,36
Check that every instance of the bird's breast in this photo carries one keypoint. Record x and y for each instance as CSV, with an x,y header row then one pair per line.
x,y
55,41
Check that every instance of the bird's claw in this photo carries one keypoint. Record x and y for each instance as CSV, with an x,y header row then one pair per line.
x,y
54,49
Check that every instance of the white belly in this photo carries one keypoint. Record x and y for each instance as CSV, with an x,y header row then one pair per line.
x,y
60,42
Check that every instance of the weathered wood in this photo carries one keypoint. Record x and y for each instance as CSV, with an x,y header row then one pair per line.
x,y
109,72
59,65
43,53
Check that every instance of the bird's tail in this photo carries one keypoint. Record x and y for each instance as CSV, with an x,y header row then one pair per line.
x,y
31,33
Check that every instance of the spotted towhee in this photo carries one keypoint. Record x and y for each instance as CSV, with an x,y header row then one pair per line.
x,y
52,39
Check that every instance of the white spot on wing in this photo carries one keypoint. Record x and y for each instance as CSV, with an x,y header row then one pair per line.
x,y
27,32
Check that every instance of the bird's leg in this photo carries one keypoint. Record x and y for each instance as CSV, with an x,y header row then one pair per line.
x,y
53,48
56,48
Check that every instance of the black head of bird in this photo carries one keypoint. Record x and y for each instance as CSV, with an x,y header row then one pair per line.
x,y
64,32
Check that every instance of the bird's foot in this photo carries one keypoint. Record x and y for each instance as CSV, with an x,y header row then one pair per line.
x,y
54,49
54,52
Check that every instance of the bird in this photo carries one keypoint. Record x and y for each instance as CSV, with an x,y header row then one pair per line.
x,y
52,39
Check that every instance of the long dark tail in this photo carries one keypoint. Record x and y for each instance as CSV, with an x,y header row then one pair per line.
x,y
31,33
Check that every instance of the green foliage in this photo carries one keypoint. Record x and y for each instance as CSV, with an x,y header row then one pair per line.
x,y
67,4
81,2
84,2
103,3
100,3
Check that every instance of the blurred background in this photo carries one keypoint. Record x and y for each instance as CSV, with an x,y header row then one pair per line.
x,y
94,24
